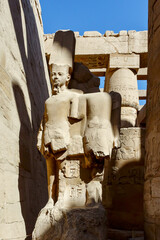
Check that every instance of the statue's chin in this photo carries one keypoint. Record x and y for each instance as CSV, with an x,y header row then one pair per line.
x,y
56,90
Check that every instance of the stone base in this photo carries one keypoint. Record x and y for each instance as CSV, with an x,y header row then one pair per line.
x,y
88,223
115,234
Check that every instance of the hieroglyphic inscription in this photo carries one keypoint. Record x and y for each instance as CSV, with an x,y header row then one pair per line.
x,y
128,175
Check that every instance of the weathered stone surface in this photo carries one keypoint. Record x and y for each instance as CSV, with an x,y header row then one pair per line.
x,y
24,86
108,33
142,74
16,229
76,34
128,117
92,34
142,94
152,162
124,61
155,191
93,51
101,45
63,49
123,181
13,213
123,33
78,223
138,41
124,82
116,234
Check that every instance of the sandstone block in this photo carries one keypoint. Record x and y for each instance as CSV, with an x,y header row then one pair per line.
x,y
142,74
124,61
147,190
12,186
123,33
16,229
13,213
76,34
108,33
155,183
120,43
138,41
128,117
2,189
22,59
150,230
92,34
117,234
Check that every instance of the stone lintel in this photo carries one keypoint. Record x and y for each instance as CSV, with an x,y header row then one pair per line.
x,y
100,72
93,61
133,42
93,51
131,61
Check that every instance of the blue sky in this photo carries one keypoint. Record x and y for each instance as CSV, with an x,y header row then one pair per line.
x,y
95,15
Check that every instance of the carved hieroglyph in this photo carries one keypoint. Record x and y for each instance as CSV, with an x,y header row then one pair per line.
x,y
78,134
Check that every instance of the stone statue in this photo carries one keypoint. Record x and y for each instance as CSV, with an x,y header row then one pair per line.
x,y
77,135
76,126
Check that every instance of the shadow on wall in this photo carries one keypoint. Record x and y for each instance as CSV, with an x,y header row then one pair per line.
x,y
32,170
123,184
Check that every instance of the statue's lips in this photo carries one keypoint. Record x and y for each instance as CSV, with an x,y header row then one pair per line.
x,y
56,83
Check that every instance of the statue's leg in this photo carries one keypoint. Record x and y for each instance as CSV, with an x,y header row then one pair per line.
x,y
51,175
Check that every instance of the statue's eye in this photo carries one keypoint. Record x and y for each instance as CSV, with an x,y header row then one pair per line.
x,y
53,73
60,73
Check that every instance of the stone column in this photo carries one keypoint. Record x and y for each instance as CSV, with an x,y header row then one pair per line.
x,y
152,145
123,178
121,77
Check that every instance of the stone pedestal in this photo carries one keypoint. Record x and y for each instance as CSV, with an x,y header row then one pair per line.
x,y
80,223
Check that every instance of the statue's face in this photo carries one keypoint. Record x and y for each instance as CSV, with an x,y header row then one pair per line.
x,y
60,76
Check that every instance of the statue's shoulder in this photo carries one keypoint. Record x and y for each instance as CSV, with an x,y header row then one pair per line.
x,y
98,95
75,91
50,99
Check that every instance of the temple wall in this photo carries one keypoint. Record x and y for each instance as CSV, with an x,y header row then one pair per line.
x,y
24,86
152,162
123,182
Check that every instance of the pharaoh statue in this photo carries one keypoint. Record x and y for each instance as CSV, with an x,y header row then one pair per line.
x,y
77,135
